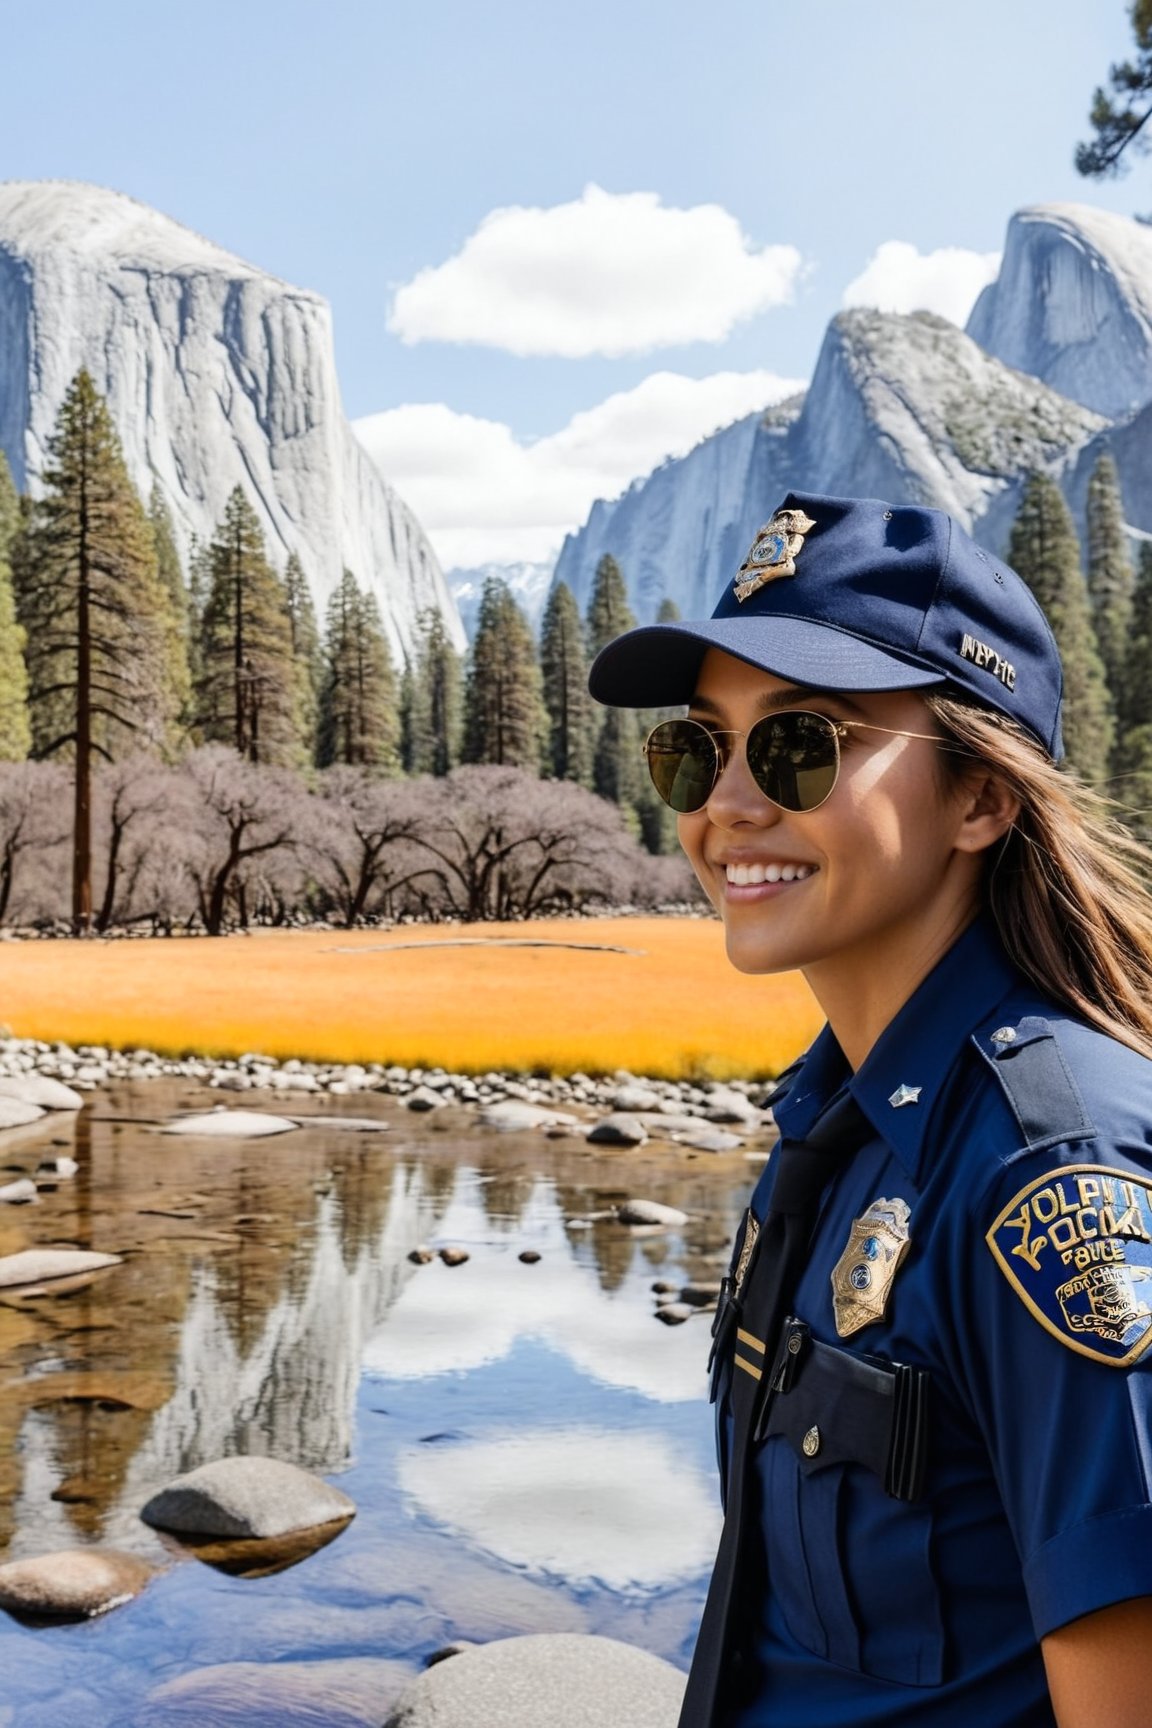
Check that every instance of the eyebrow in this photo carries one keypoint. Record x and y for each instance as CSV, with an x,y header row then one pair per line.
x,y
792,696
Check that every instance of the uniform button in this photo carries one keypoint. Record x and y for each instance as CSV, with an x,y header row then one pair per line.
x,y
811,1442
1006,1035
795,1343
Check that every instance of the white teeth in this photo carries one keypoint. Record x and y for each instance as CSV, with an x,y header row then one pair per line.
x,y
745,875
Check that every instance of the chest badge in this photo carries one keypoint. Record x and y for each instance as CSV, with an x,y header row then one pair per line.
x,y
862,1277
1076,1247
773,552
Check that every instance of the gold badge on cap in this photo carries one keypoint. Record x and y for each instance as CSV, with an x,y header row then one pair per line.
x,y
773,551
862,1279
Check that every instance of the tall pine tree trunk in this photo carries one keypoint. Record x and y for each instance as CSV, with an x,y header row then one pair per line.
x,y
82,821
239,696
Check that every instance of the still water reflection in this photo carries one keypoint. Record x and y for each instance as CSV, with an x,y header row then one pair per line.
x,y
528,1448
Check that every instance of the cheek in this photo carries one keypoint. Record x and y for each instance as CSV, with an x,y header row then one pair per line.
x,y
690,832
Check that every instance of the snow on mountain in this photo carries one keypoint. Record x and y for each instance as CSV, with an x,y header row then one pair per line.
x,y
679,532
901,406
1073,305
216,374
530,584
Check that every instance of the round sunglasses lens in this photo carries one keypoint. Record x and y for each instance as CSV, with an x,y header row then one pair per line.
x,y
793,758
682,763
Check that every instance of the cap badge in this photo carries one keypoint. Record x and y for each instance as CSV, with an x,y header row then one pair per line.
x,y
862,1278
774,552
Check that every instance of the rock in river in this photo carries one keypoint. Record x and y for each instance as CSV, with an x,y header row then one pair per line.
x,y
16,1114
348,1692
246,1497
43,1265
232,1124
651,1212
19,1193
545,1680
41,1090
619,1129
72,1585
512,1114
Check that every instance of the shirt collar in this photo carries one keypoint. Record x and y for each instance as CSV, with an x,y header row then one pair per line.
x,y
913,1056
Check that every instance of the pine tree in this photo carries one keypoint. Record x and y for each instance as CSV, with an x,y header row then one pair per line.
x,y
609,613
564,687
246,694
307,653
89,595
1118,119
358,717
1045,551
177,672
9,507
435,707
504,720
405,705
668,612
1138,665
199,588
617,766
1111,579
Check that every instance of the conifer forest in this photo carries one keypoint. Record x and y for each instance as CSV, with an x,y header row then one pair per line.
x,y
195,749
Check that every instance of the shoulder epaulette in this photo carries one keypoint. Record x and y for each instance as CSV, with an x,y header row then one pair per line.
x,y
1042,1095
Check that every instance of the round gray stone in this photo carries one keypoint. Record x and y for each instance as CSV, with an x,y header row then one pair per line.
x,y
545,1680
18,1193
651,1212
246,1497
348,1692
73,1584
15,1113
619,1129
39,1089
231,1124
43,1265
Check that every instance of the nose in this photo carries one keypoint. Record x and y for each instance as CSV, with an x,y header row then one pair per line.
x,y
735,799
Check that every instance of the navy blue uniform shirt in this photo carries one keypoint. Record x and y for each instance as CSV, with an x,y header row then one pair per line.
x,y
1020,1141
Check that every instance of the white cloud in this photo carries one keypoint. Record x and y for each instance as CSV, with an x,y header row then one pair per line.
x,y
486,496
609,273
898,278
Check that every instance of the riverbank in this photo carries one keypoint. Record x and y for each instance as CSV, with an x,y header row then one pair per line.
x,y
653,996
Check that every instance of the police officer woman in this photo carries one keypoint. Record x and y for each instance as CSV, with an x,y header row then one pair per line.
x,y
933,1356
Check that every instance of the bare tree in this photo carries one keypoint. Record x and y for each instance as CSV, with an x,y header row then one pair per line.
x,y
240,813
360,839
34,818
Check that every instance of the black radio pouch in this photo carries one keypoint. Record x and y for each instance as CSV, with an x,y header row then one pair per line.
x,y
835,1407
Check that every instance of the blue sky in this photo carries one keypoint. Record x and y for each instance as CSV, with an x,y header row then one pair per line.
x,y
349,147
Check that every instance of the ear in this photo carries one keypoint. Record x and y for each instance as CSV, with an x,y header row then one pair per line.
x,y
988,808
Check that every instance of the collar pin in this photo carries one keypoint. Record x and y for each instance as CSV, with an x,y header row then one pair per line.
x,y
905,1095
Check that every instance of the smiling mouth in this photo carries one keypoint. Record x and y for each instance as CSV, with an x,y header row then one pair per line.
x,y
749,875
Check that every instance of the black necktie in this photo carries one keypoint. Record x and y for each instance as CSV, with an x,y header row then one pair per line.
x,y
752,1320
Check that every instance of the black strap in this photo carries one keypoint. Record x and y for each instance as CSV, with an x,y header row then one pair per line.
x,y
753,1314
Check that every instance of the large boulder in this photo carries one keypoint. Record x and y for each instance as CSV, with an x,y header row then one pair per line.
x,y
544,1680
246,1497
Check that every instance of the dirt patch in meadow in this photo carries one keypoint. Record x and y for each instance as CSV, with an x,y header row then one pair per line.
x,y
654,995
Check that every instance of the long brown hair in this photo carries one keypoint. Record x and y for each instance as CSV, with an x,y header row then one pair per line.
x,y
1070,888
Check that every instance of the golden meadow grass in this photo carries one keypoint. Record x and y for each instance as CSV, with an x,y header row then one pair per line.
x,y
458,997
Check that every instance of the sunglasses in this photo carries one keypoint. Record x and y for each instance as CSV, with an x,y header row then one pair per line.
x,y
793,756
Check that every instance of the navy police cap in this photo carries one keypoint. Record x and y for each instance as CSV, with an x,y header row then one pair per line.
x,y
855,594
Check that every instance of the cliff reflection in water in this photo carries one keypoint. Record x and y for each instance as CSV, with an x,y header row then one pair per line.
x,y
260,1275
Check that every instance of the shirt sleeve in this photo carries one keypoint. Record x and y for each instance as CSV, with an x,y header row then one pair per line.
x,y
1051,1330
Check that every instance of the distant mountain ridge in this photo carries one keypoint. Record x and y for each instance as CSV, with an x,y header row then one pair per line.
x,y
1056,366
217,374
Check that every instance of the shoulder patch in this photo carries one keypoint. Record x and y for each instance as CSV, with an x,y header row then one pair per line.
x,y
1076,1246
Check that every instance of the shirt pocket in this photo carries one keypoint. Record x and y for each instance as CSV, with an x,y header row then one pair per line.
x,y
849,1563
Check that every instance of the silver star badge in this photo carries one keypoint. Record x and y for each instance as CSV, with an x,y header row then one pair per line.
x,y
905,1095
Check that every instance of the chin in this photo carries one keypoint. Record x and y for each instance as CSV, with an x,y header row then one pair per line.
x,y
747,954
